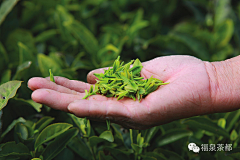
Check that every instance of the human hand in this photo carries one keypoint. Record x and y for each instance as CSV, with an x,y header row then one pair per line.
x,y
186,95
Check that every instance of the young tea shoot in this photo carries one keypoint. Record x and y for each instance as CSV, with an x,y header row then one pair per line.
x,y
122,81
108,124
51,76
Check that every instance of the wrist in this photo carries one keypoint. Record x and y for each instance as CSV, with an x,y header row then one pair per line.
x,y
224,77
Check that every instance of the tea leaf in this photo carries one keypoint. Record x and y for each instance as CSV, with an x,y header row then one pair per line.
x,y
10,127
172,136
6,7
122,94
42,123
80,148
85,37
108,124
231,119
206,124
118,154
24,53
45,62
7,91
51,132
91,89
107,135
13,149
168,154
122,81
233,135
44,36
235,153
21,68
59,143
51,76
116,64
136,70
222,123
21,130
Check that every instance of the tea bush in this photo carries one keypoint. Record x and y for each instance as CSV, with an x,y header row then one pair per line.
x,y
73,37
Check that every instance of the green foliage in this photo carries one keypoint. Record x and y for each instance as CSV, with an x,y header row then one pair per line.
x,y
206,124
50,132
7,91
5,8
11,149
71,38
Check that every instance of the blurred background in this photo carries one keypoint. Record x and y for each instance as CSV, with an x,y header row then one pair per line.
x,y
90,34
73,37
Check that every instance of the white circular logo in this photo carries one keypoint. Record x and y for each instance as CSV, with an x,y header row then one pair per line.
x,y
196,149
193,147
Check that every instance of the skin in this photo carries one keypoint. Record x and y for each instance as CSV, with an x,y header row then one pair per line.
x,y
196,88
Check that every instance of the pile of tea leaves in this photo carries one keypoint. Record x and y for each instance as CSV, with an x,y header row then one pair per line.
x,y
122,81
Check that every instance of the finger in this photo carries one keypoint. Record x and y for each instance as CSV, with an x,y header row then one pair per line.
x,y
38,83
100,109
91,78
78,86
62,85
55,99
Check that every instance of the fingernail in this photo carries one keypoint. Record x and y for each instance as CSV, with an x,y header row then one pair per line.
x,y
69,108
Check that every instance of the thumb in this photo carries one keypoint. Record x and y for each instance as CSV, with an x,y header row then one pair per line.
x,y
91,78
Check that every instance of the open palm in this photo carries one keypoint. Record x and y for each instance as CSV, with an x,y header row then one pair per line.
x,y
186,95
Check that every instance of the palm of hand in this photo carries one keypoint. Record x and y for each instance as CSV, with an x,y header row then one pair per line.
x,y
186,95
